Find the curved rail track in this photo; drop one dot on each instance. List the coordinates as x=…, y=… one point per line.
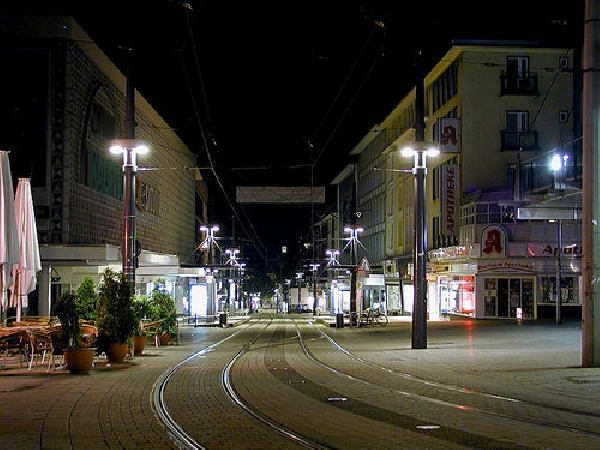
x=286, y=383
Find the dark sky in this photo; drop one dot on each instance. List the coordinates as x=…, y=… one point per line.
x=267, y=88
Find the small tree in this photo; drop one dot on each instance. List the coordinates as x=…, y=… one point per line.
x=163, y=308
x=116, y=317
x=142, y=310
x=88, y=298
x=68, y=310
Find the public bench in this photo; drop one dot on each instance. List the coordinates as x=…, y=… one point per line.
x=151, y=328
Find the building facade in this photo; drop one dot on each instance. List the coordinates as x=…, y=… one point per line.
x=64, y=101
x=499, y=112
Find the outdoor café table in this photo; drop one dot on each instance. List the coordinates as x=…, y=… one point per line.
x=13, y=339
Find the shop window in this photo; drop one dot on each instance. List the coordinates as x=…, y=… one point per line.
x=457, y=295
x=508, y=297
x=569, y=291
x=490, y=296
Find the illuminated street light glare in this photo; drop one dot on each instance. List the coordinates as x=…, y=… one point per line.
x=139, y=149
x=558, y=164
x=353, y=230
x=420, y=150
x=129, y=148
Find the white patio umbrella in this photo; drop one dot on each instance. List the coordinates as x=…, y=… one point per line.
x=9, y=240
x=25, y=273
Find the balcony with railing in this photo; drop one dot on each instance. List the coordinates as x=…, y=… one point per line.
x=518, y=140
x=518, y=84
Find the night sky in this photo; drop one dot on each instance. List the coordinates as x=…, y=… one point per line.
x=268, y=88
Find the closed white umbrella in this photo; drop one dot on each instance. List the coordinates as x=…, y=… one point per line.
x=9, y=240
x=25, y=273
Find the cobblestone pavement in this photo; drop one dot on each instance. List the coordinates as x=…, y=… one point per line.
x=113, y=407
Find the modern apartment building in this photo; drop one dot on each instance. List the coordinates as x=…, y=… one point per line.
x=63, y=101
x=500, y=112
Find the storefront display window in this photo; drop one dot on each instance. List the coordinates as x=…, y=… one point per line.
x=508, y=297
x=457, y=294
x=394, y=300
x=569, y=290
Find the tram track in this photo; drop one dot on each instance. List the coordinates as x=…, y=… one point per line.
x=274, y=371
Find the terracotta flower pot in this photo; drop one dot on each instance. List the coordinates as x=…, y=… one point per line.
x=165, y=338
x=139, y=344
x=117, y=351
x=79, y=360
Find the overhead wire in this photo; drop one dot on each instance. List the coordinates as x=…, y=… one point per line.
x=205, y=141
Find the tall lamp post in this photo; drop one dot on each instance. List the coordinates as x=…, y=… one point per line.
x=419, y=151
x=233, y=262
x=558, y=165
x=209, y=240
x=299, y=276
x=332, y=262
x=314, y=267
x=207, y=244
x=129, y=148
x=288, y=295
x=353, y=231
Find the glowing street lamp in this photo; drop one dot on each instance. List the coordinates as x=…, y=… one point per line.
x=209, y=240
x=129, y=148
x=558, y=164
x=314, y=267
x=332, y=255
x=231, y=253
x=353, y=231
x=332, y=262
x=420, y=151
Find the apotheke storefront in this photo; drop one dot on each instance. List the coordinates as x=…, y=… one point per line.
x=499, y=279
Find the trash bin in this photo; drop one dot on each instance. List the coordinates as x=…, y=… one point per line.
x=339, y=320
x=222, y=320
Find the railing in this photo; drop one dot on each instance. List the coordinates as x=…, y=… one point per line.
x=518, y=140
x=518, y=84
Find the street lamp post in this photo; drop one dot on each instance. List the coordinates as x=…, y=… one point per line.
x=209, y=240
x=233, y=262
x=314, y=267
x=559, y=165
x=419, y=151
x=207, y=244
x=332, y=254
x=299, y=278
x=129, y=148
x=288, y=295
x=353, y=231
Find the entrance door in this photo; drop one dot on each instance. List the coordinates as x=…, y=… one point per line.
x=503, y=297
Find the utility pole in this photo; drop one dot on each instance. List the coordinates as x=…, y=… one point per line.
x=590, y=323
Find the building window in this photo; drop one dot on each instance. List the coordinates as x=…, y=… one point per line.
x=517, y=123
x=563, y=116
x=563, y=62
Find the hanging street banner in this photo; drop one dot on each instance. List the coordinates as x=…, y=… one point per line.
x=279, y=194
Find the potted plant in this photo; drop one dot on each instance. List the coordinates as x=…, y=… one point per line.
x=115, y=315
x=141, y=310
x=163, y=308
x=78, y=354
